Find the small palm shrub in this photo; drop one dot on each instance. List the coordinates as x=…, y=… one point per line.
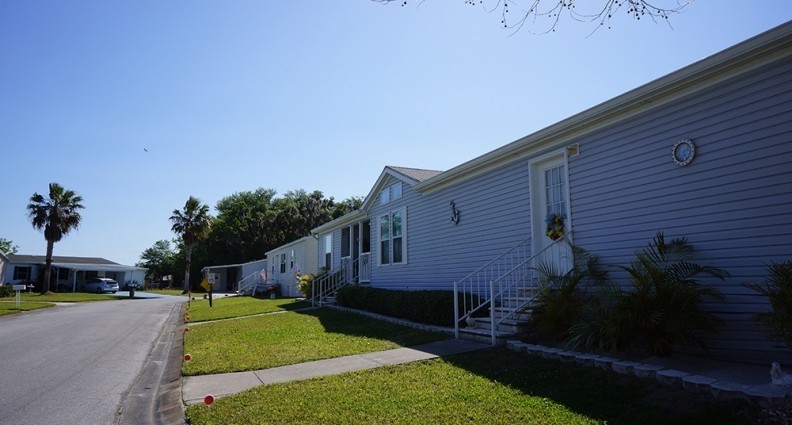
x=778, y=289
x=660, y=309
x=599, y=327
x=562, y=296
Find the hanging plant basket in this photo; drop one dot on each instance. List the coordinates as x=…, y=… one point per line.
x=555, y=226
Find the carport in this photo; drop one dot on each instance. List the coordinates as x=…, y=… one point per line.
x=120, y=273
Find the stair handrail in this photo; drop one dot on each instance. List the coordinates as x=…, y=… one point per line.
x=250, y=282
x=477, y=282
x=498, y=287
x=334, y=280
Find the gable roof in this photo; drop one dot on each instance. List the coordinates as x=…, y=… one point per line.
x=416, y=174
x=40, y=259
x=753, y=53
x=411, y=176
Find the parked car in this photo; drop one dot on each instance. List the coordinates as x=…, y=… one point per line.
x=100, y=285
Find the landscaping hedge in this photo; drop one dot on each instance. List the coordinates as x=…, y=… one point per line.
x=430, y=307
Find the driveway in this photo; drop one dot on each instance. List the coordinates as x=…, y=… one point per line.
x=76, y=364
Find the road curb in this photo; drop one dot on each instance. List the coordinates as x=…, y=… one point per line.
x=155, y=398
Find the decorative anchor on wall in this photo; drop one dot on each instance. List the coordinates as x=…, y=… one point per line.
x=454, y=213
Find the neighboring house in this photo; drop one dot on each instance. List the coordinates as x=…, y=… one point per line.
x=3, y=266
x=339, y=243
x=232, y=277
x=702, y=153
x=69, y=273
x=345, y=244
x=288, y=261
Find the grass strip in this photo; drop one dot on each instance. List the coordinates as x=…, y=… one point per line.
x=9, y=307
x=273, y=340
x=494, y=386
x=164, y=291
x=229, y=307
x=66, y=297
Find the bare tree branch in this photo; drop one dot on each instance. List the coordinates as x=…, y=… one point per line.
x=542, y=20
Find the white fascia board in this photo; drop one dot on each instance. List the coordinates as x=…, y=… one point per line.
x=97, y=267
x=753, y=53
x=223, y=266
x=289, y=245
x=342, y=221
x=380, y=183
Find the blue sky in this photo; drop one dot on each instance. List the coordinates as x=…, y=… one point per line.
x=232, y=96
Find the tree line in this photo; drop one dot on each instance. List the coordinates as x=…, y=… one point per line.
x=247, y=225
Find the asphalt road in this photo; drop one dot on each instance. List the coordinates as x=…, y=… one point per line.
x=76, y=364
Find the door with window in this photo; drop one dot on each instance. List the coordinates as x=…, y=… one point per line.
x=550, y=211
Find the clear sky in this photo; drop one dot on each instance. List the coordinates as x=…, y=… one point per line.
x=229, y=96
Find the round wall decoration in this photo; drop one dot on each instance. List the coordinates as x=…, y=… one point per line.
x=683, y=152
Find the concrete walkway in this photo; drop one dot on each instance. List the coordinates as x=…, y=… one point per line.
x=195, y=388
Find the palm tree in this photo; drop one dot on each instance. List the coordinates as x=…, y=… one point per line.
x=57, y=216
x=192, y=224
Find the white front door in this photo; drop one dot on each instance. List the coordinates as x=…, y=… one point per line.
x=550, y=209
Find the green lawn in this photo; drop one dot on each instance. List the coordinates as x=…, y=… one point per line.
x=66, y=297
x=164, y=291
x=228, y=307
x=272, y=340
x=8, y=306
x=494, y=386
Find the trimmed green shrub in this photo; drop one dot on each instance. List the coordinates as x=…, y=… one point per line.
x=430, y=307
x=778, y=289
x=6, y=291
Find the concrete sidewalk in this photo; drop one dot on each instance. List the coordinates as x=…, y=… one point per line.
x=195, y=388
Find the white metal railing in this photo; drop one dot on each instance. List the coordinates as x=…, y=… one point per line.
x=249, y=283
x=506, y=284
x=356, y=271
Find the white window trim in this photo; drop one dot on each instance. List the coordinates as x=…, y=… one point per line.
x=403, y=211
x=386, y=196
x=325, y=252
x=401, y=191
x=537, y=221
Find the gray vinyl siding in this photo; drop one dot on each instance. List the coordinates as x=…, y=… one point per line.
x=494, y=216
x=733, y=202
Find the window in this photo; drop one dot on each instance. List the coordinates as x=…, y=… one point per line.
x=63, y=274
x=328, y=252
x=283, y=263
x=393, y=248
x=385, y=239
x=391, y=193
x=345, y=245
x=291, y=260
x=396, y=191
x=22, y=273
x=91, y=275
x=366, y=239
x=555, y=191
